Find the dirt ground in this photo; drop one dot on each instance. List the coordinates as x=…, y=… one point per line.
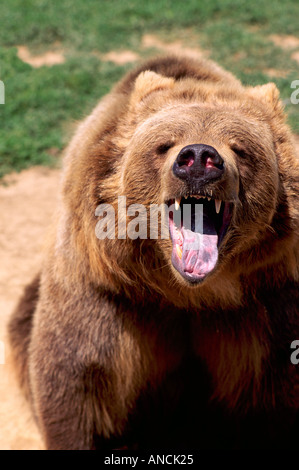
x=26, y=206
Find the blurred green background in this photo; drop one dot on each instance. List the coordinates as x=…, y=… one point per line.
x=257, y=40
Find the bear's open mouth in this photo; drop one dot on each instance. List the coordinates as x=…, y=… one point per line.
x=197, y=226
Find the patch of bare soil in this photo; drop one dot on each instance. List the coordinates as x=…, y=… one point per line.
x=295, y=56
x=151, y=41
x=285, y=41
x=49, y=58
x=275, y=73
x=177, y=47
x=120, y=57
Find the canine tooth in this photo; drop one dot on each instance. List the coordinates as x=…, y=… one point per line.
x=179, y=251
x=217, y=205
x=177, y=203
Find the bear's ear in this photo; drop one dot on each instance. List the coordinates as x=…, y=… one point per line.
x=147, y=82
x=268, y=93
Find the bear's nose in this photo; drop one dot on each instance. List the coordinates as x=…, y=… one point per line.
x=197, y=161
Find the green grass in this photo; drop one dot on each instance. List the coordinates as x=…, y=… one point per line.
x=43, y=104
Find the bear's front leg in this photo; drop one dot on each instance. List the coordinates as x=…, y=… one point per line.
x=86, y=370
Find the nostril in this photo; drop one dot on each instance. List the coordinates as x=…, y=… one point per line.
x=186, y=158
x=209, y=163
x=210, y=159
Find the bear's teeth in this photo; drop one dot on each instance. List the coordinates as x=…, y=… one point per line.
x=217, y=205
x=177, y=203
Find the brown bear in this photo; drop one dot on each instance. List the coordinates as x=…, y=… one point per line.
x=137, y=339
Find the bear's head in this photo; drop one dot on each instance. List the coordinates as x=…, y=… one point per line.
x=212, y=162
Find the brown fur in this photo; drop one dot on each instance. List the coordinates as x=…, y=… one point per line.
x=116, y=331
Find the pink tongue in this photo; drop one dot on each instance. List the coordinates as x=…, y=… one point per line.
x=200, y=252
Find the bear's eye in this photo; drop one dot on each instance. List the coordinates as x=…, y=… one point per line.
x=163, y=148
x=240, y=152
